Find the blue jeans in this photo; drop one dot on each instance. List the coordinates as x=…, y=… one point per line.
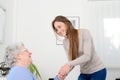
x=99, y=75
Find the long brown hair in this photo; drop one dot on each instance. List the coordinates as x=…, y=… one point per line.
x=72, y=35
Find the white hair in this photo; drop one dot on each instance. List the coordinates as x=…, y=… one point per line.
x=10, y=54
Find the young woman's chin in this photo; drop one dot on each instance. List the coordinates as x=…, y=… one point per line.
x=62, y=35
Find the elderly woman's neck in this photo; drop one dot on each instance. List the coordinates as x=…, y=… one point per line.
x=22, y=64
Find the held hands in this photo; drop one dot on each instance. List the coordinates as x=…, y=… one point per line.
x=64, y=70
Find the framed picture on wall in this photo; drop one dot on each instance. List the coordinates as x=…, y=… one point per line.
x=75, y=22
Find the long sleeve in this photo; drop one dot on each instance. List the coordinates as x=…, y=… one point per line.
x=86, y=52
x=87, y=56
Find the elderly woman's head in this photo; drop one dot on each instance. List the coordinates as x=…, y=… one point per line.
x=17, y=54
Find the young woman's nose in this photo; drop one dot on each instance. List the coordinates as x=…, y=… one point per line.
x=58, y=31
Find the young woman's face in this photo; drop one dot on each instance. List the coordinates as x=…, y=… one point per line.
x=60, y=28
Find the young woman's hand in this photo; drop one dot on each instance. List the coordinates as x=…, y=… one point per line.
x=64, y=70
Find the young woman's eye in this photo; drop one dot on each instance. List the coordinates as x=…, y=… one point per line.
x=59, y=26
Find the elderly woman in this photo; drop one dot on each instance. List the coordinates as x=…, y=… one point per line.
x=18, y=58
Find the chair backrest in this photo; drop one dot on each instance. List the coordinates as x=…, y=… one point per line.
x=3, y=69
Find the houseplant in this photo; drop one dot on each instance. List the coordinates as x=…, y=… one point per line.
x=35, y=71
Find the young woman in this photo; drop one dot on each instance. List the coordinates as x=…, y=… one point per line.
x=80, y=49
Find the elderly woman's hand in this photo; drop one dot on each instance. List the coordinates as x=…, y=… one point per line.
x=61, y=76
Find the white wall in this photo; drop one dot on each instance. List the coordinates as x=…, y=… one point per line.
x=30, y=21
x=8, y=35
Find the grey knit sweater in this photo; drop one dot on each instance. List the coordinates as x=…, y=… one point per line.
x=88, y=59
